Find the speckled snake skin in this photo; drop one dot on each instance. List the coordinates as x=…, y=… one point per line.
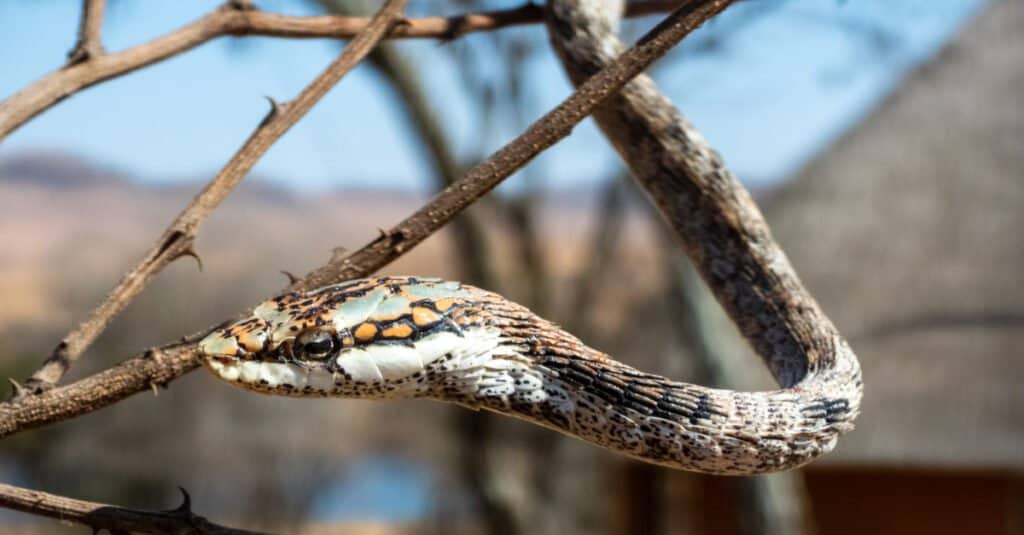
x=404, y=337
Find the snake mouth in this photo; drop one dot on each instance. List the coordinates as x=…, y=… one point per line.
x=272, y=376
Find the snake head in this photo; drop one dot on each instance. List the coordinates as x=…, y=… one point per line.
x=366, y=338
x=288, y=346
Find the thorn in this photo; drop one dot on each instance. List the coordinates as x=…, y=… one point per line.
x=156, y=390
x=275, y=106
x=275, y=110
x=400, y=234
x=191, y=251
x=19, y=390
x=455, y=30
x=185, y=509
x=84, y=52
x=292, y=279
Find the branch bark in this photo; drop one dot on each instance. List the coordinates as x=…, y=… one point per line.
x=240, y=19
x=100, y=516
x=178, y=239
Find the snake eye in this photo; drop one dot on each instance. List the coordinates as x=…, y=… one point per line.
x=315, y=344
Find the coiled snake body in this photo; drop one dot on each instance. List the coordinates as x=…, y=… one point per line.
x=408, y=337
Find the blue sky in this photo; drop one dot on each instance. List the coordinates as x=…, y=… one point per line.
x=775, y=92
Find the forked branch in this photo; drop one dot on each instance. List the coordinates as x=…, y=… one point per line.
x=89, y=44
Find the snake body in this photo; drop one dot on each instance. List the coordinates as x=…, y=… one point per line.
x=403, y=337
x=406, y=337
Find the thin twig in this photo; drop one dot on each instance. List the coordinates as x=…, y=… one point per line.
x=178, y=239
x=170, y=362
x=238, y=20
x=89, y=44
x=100, y=516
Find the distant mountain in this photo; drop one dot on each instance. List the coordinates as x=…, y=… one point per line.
x=67, y=171
x=57, y=169
x=62, y=170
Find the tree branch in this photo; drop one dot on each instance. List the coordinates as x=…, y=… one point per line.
x=100, y=516
x=545, y=132
x=161, y=366
x=178, y=239
x=89, y=44
x=239, y=19
x=165, y=364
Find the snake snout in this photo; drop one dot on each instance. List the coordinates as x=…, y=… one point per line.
x=237, y=340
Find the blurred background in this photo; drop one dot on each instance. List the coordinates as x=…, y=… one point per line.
x=883, y=139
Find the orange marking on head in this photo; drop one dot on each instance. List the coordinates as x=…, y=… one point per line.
x=365, y=332
x=424, y=316
x=398, y=331
x=250, y=342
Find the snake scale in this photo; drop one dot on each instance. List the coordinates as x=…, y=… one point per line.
x=407, y=337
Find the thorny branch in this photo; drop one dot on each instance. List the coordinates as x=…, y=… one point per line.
x=101, y=516
x=178, y=239
x=161, y=365
x=242, y=19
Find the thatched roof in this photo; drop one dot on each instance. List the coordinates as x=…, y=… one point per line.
x=910, y=232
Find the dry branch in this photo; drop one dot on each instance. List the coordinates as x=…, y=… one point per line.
x=100, y=516
x=162, y=366
x=178, y=239
x=239, y=19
